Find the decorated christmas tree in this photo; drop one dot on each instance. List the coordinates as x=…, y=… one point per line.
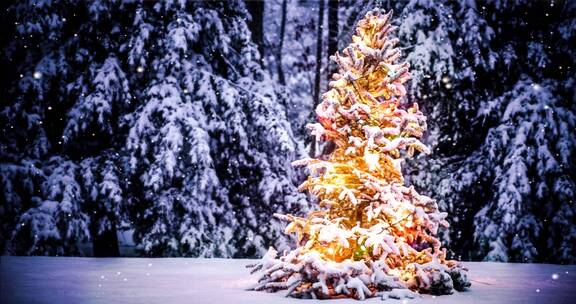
x=372, y=235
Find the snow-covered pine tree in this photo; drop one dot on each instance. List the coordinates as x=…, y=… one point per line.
x=162, y=121
x=49, y=127
x=530, y=138
x=448, y=47
x=373, y=233
x=535, y=133
x=20, y=182
x=492, y=177
x=466, y=80
x=439, y=63
x=56, y=223
x=210, y=146
x=106, y=187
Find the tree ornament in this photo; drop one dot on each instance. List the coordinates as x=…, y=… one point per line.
x=372, y=233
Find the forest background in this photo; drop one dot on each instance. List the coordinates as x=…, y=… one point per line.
x=168, y=128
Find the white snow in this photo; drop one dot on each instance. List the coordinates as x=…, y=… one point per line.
x=188, y=280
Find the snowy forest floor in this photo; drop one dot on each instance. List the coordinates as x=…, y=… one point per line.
x=187, y=280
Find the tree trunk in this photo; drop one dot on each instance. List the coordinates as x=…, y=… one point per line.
x=106, y=243
x=256, y=25
x=280, y=69
x=332, y=35
x=316, y=97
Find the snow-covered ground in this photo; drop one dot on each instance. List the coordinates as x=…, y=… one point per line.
x=185, y=280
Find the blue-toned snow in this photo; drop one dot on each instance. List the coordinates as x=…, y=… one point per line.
x=186, y=280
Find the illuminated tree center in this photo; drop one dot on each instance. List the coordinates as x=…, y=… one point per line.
x=371, y=233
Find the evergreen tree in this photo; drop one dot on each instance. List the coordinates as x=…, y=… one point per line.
x=535, y=133
x=56, y=223
x=155, y=117
x=61, y=109
x=488, y=64
x=373, y=233
x=213, y=125
x=466, y=57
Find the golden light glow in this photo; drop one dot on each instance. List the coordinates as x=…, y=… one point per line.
x=359, y=184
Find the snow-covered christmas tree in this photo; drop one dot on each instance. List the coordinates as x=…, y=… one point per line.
x=373, y=234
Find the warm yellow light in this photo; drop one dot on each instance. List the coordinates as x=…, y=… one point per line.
x=367, y=215
x=359, y=184
x=338, y=181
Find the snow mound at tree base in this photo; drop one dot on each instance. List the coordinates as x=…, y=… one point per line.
x=307, y=275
